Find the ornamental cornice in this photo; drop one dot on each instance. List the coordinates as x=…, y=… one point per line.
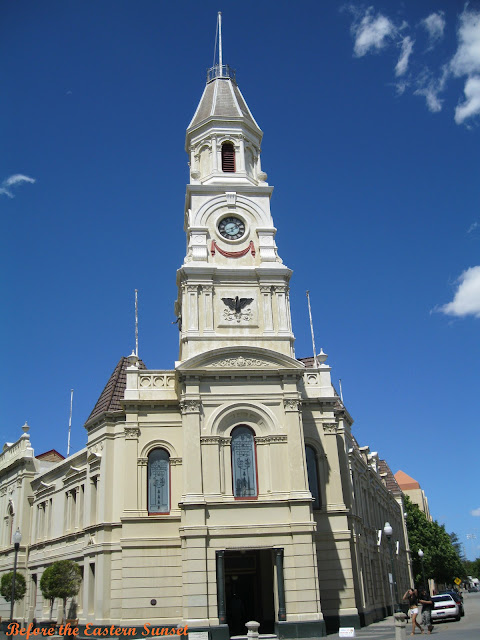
x=292, y=404
x=175, y=461
x=190, y=406
x=330, y=427
x=266, y=289
x=132, y=433
x=142, y=462
x=210, y=440
x=273, y=439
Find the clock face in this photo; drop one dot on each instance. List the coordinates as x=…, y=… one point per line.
x=231, y=228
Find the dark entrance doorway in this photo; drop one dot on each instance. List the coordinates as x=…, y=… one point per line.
x=249, y=590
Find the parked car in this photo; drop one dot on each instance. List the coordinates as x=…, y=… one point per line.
x=445, y=607
x=473, y=589
x=458, y=599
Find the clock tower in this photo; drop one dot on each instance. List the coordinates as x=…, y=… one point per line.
x=232, y=286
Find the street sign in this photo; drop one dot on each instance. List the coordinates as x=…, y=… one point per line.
x=457, y=581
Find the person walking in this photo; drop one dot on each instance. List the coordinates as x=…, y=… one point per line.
x=426, y=601
x=412, y=596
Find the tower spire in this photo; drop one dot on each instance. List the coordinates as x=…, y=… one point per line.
x=220, y=60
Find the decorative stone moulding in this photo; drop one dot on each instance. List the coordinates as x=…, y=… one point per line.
x=240, y=361
x=330, y=427
x=156, y=381
x=233, y=254
x=132, y=433
x=277, y=439
x=291, y=404
x=190, y=406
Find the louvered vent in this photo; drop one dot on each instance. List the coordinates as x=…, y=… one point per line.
x=228, y=157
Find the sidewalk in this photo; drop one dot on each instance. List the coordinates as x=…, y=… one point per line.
x=383, y=630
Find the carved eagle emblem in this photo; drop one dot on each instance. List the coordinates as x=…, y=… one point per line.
x=237, y=304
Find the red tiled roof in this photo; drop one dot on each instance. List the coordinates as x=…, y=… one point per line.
x=390, y=482
x=308, y=362
x=50, y=456
x=111, y=396
x=405, y=481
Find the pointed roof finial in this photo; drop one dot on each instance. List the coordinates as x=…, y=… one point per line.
x=219, y=70
x=136, y=322
x=220, y=60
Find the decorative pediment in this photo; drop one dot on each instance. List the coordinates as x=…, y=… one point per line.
x=241, y=359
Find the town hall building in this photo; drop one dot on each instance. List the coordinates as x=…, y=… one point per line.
x=229, y=487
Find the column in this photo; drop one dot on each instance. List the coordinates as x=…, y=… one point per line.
x=297, y=461
x=281, y=294
x=333, y=490
x=210, y=464
x=142, y=484
x=267, y=309
x=132, y=434
x=214, y=155
x=208, y=307
x=240, y=151
x=282, y=614
x=192, y=476
x=192, y=307
x=222, y=613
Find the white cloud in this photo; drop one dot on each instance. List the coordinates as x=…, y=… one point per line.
x=435, y=26
x=466, y=60
x=471, y=105
x=13, y=181
x=371, y=32
x=407, y=49
x=473, y=226
x=475, y=512
x=466, y=300
x=431, y=87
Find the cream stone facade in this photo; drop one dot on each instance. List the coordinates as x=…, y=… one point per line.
x=229, y=487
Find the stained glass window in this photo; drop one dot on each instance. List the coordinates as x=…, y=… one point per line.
x=244, y=463
x=158, y=481
x=313, y=476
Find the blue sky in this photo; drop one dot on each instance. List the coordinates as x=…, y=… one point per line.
x=371, y=117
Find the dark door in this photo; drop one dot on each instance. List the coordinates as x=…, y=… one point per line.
x=249, y=590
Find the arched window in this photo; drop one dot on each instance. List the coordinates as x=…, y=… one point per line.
x=158, y=481
x=228, y=157
x=244, y=463
x=312, y=471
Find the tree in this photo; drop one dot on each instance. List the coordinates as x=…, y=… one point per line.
x=6, y=586
x=63, y=579
x=45, y=588
x=441, y=560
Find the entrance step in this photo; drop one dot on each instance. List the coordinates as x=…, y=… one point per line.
x=261, y=636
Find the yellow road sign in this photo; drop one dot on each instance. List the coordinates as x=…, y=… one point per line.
x=457, y=581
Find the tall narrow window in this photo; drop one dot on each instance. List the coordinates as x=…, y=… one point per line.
x=228, y=157
x=158, y=481
x=244, y=463
x=312, y=472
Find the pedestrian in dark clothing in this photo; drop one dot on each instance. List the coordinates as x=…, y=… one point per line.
x=426, y=601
